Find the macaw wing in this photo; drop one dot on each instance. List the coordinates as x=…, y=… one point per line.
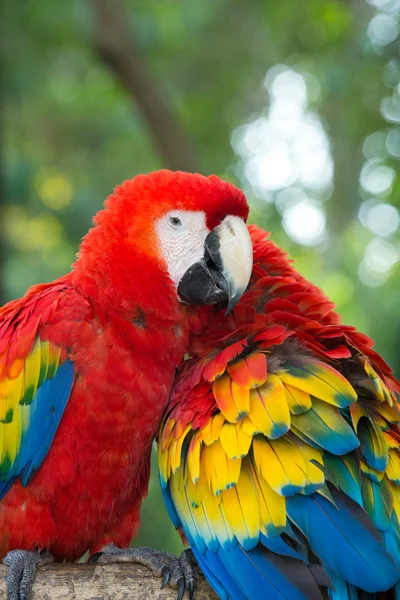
x=283, y=475
x=36, y=378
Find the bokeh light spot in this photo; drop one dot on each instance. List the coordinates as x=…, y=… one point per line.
x=383, y=29
x=380, y=255
x=288, y=145
x=391, y=76
x=383, y=219
x=385, y=5
x=55, y=191
x=305, y=222
x=27, y=233
x=390, y=109
x=375, y=145
x=376, y=178
x=393, y=142
x=289, y=84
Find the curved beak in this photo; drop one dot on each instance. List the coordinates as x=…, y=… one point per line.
x=223, y=273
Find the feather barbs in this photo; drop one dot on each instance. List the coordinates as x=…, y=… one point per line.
x=299, y=417
x=19, y=409
x=244, y=452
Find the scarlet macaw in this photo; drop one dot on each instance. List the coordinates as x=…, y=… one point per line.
x=279, y=453
x=87, y=363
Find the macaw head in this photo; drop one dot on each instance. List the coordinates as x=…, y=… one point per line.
x=183, y=229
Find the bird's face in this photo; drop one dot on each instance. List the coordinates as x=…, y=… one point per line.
x=172, y=231
x=205, y=265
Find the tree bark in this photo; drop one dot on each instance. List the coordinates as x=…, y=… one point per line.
x=117, y=48
x=102, y=582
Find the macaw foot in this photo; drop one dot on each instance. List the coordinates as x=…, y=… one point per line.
x=22, y=571
x=177, y=572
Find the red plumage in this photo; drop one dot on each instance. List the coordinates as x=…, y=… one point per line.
x=116, y=316
x=279, y=303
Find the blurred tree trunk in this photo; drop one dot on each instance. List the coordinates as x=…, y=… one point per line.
x=2, y=247
x=2, y=207
x=348, y=160
x=346, y=130
x=118, y=49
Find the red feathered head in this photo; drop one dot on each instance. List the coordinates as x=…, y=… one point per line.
x=190, y=227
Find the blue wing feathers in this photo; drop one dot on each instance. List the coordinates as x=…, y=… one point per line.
x=218, y=576
x=391, y=540
x=47, y=408
x=264, y=574
x=279, y=546
x=52, y=398
x=341, y=590
x=169, y=505
x=355, y=556
x=337, y=472
x=5, y=486
x=355, y=551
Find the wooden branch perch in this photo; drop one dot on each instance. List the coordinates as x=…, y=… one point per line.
x=117, y=48
x=102, y=582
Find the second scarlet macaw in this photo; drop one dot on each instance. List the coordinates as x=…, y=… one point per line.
x=87, y=363
x=279, y=455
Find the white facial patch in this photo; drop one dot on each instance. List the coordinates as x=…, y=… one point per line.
x=181, y=235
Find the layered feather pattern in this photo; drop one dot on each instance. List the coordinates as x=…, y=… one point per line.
x=279, y=455
x=36, y=378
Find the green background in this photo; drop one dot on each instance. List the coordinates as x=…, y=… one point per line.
x=296, y=102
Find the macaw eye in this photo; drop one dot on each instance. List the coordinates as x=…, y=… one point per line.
x=175, y=221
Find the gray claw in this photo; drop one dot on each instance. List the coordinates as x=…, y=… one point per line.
x=166, y=573
x=177, y=572
x=181, y=587
x=186, y=561
x=190, y=587
x=22, y=570
x=95, y=557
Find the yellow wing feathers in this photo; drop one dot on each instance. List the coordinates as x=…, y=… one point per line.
x=18, y=387
x=267, y=438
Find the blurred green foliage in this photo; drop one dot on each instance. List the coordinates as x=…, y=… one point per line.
x=72, y=132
